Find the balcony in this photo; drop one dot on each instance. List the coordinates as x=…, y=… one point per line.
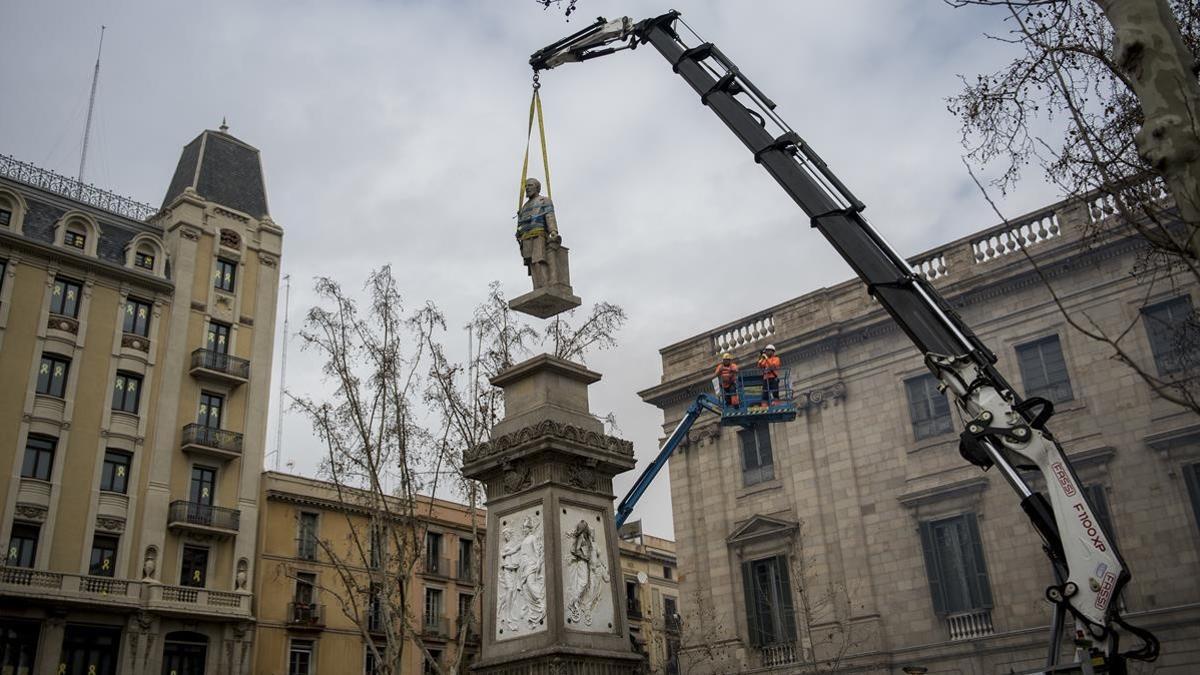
x=203, y=518
x=438, y=567
x=434, y=625
x=305, y=616
x=212, y=442
x=219, y=367
x=196, y=602
x=78, y=589
x=463, y=573
x=976, y=623
x=780, y=654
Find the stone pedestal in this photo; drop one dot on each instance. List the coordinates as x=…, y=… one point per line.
x=553, y=592
x=556, y=296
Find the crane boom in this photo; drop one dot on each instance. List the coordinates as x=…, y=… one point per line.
x=1003, y=430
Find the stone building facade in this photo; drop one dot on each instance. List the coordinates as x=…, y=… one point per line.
x=319, y=597
x=135, y=353
x=861, y=510
x=651, y=597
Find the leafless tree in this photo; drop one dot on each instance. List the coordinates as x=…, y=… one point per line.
x=597, y=331
x=386, y=457
x=1104, y=98
x=710, y=645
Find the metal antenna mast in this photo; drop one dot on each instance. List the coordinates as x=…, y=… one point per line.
x=287, y=305
x=87, y=127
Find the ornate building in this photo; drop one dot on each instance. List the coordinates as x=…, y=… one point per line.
x=135, y=352
x=857, y=534
x=323, y=580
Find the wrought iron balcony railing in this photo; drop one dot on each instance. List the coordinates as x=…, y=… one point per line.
x=192, y=513
x=306, y=614
x=211, y=437
x=225, y=364
x=437, y=566
x=463, y=572
x=435, y=625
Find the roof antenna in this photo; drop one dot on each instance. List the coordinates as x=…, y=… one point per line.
x=287, y=306
x=87, y=127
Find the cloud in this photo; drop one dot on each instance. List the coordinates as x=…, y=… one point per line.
x=392, y=132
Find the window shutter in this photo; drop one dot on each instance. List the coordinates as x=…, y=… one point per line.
x=751, y=606
x=932, y=571
x=785, y=592
x=1191, y=475
x=981, y=590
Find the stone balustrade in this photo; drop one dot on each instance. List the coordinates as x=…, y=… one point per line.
x=970, y=625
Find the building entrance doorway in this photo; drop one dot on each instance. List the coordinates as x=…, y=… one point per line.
x=184, y=653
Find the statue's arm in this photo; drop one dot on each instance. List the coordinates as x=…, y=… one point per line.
x=551, y=221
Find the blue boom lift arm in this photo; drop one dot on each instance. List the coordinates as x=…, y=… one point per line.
x=703, y=402
x=1003, y=430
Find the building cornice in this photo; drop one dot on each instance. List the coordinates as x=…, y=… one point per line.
x=102, y=267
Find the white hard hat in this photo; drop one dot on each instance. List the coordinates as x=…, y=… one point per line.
x=771, y=347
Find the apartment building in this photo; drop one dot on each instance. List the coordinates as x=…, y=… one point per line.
x=135, y=353
x=331, y=569
x=650, y=575
x=863, y=502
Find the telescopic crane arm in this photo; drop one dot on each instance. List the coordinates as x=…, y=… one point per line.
x=1002, y=429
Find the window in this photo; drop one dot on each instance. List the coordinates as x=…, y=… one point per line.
x=194, y=570
x=22, y=546
x=18, y=646
x=218, y=337
x=209, y=414
x=307, y=542
x=377, y=547
x=1044, y=371
x=137, y=317
x=90, y=649
x=52, y=375
x=144, y=260
x=126, y=391
x=1170, y=340
x=75, y=239
x=465, y=549
x=435, y=657
x=632, y=604
x=464, y=607
x=104, y=556
x=1191, y=476
x=768, y=590
x=39, y=457
x=374, y=609
x=64, y=298
x=203, y=485
x=305, y=583
x=958, y=580
x=224, y=276
x=300, y=657
x=670, y=613
x=433, y=552
x=433, y=607
x=369, y=667
x=668, y=573
x=114, y=475
x=5, y=215
x=757, y=463
x=928, y=407
x=3, y=269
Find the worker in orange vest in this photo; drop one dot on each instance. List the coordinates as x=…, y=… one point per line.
x=727, y=375
x=770, y=365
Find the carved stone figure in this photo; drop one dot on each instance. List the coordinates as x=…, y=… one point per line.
x=521, y=592
x=150, y=562
x=240, y=579
x=586, y=573
x=537, y=234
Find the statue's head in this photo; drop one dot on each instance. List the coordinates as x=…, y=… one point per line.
x=527, y=526
x=533, y=186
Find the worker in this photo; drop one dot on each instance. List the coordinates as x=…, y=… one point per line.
x=727, y=372
x=536, y=228
x=770, y=365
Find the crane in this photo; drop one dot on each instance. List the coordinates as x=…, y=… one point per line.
x=1003, y=430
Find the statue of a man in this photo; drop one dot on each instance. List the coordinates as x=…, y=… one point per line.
x=536, y=231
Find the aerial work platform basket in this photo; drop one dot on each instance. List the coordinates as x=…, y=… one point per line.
x=746, y=404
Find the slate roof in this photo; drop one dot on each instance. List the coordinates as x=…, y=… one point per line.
x=222, y=169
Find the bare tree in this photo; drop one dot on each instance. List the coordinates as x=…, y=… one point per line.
x=1104, y=97
x=710, y=645
x=383, y=463
x=597, y=331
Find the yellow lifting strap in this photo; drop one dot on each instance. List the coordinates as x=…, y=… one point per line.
x=534, y=104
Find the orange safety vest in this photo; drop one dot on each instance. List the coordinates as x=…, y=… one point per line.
x=727, y=374
x=770, y=366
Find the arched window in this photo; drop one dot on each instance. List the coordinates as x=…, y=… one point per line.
x=77, y=231
x=12, y=211
x=145, y=254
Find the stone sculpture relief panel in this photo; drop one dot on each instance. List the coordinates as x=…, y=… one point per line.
x=587, y=581
x=521, y=578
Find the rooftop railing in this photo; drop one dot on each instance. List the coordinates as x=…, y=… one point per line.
x=38, y=177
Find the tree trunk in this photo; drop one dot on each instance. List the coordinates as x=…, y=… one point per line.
x=1149, y=49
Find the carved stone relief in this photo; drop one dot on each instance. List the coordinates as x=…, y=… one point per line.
x=521, y=578
x=231, y=239
x=110, y=524
x=30, y=512
x=820, y=398
x=581, y=476
x=516, y=477
x=587, y=581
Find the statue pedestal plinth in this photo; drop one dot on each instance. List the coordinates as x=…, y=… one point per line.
x=554, y=595
x=546, y=302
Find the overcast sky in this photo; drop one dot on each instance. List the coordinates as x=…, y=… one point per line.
x=392, y=132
